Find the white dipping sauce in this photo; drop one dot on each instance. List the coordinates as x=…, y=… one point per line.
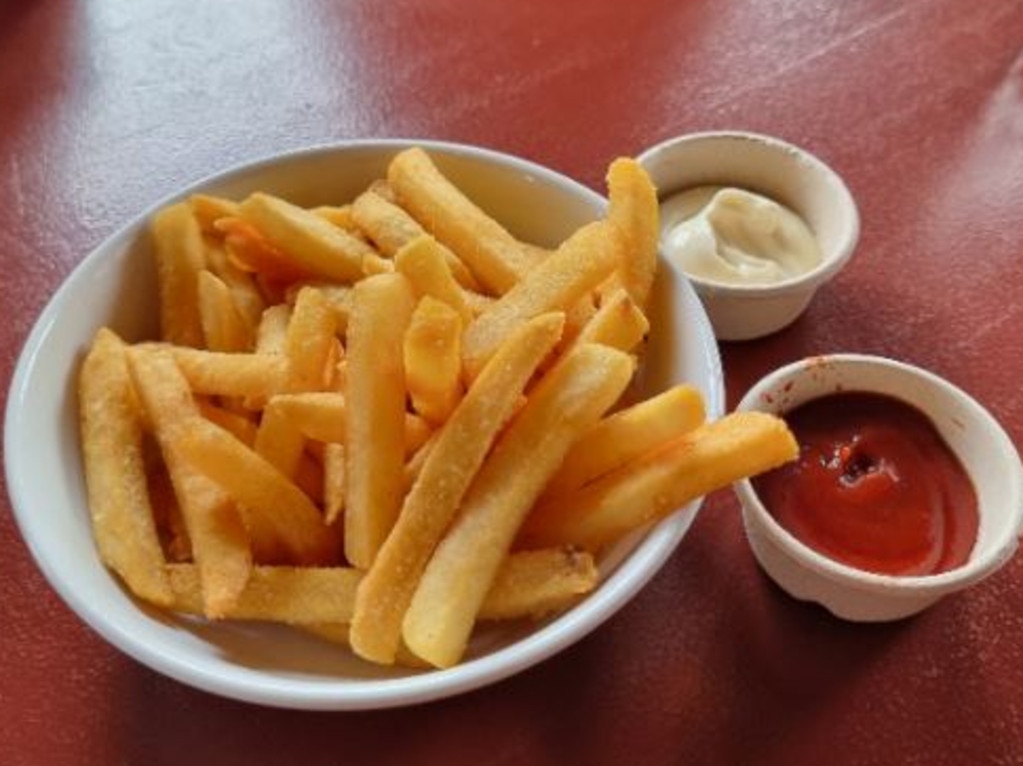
x=731, y=236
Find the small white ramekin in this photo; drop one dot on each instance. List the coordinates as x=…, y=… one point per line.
x=784, y=173
x=982, y=446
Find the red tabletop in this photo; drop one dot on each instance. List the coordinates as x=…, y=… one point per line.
x=106, y=106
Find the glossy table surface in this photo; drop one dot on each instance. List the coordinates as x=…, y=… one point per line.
x=107, y=106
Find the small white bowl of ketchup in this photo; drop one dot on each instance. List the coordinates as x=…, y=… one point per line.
x=905, y=490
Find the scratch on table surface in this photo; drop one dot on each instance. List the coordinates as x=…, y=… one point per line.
x=811, y=56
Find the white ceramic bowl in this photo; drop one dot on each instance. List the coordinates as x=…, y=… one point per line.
x=976, y=438
x=782, y=172
x=267, y=664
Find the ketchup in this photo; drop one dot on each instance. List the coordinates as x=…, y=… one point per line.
x=874, y=486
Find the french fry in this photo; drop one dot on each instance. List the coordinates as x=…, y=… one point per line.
x=288, y=594
x=310, y=340
x=633, y=208
x=536, y=583
x=180, y=256
x=374, y=264
x=414, y=464
x=319, y=248
x=115, y=473
x=241, y=427
x=223, y=326
x=493, y=255
x=374, y=413
x=278, y=440
x=170, y=522
x=322, y=599
x=450, y=466
x=626, y=435
x=245, y=292
x=707, y=458
x=391, y=229
x=207, y=209
x=267, y=498
x=618, y=323
x=220, y=542
x=422, y=263
x=215, y=373
x=433, y=359
x=251, y=251
x=577, y=267
x=338, y=296
x=340, y=216
x=448, y=598
x=320, y=415
x=333, y=481
x=272, y=334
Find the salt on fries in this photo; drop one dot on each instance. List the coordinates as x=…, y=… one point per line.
x=383, y=422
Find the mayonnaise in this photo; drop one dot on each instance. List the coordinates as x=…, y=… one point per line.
x=731, y=236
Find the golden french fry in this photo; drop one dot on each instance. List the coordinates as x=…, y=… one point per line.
x=450, y=466
x=241, y=427
x=493, y=255
x=340, y=216
x=278, y=440
x=433, y=359
x=414, y=464
x=649, y=488
x=267, y=498
x=333, y=481
x=224, y=328
x=374, y=413
x=568, y=400
x=338, y=296
x=180, y=256
x=618, y=323
x=310, y=340
x=216, y=373
x=314, y=245
x=374, y=264
x=272, y=335
x=422, y=263
x=626, y=435
x=578, y=315
x=320, y=415
x=535, y=583
x=633, y=208
x=115, y=472
x=170, y=522
x=322, y=599
x=251, y=251
x=207, y=209
x=577, y=267
x=288, y=594
x=219, y=539
x=244, y=291
x=391, y=228
x=477, y=302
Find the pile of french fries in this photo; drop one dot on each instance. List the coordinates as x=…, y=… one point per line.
x=386, y=421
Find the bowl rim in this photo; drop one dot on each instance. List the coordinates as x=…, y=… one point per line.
x=810, y=280
x=635, y=570
x=975, y=568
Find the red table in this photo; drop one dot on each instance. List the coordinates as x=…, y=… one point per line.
x=107, y=106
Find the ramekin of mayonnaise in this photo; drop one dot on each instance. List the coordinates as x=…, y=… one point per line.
x=756, y=223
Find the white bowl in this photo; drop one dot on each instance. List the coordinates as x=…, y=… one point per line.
x=784, y=173
x=272, y=665
x=984, y=449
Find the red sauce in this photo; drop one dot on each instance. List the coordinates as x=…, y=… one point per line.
x=874, y=486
